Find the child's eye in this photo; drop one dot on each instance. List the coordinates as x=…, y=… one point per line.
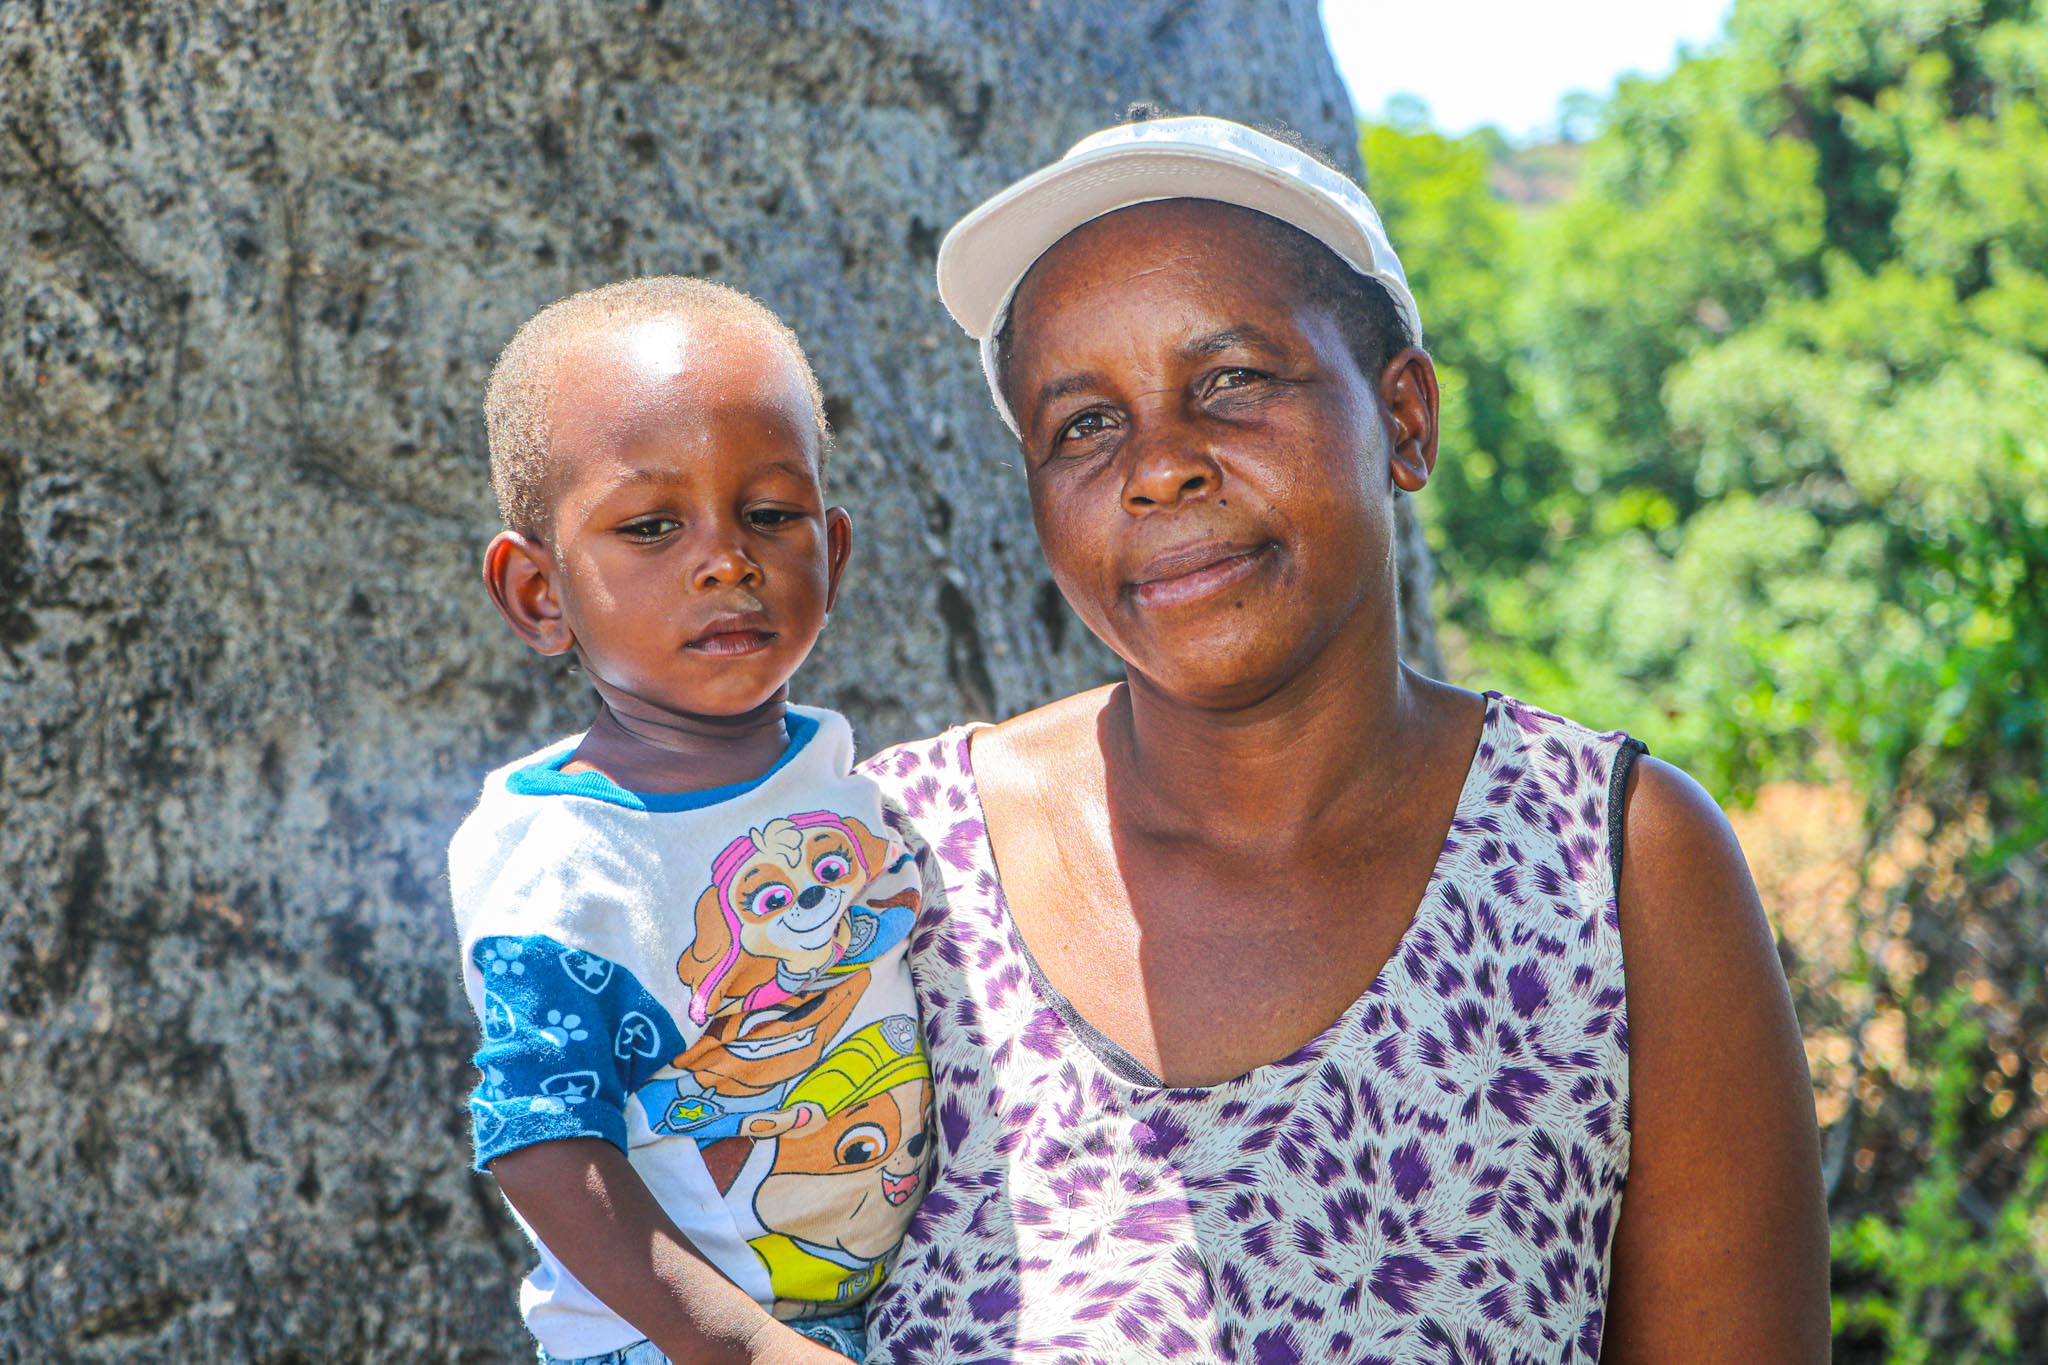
x=649, y=528
x=772, y=516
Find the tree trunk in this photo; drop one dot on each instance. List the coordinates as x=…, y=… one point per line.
x=259, y=259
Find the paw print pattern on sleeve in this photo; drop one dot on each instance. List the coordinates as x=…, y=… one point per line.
x=564, y=1029
x=500, y=957
x=567, y=1036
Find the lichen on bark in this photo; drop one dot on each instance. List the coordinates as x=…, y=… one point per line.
x=259, y=259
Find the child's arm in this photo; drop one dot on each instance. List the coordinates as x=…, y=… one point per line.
x=568, y=1037
x=601, y=1222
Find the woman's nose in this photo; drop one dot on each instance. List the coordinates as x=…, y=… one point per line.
x=1166, y=469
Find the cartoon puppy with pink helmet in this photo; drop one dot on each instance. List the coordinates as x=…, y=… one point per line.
x=782, y=918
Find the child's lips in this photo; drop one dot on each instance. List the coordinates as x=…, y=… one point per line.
x=734, y=635
x=732, y=643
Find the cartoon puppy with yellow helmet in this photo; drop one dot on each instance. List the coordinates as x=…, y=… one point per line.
x=851, y=1155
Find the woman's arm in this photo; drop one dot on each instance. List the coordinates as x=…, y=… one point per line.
x=1722, y=1249
x=601, y=1222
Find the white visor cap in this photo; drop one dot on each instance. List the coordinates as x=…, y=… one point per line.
x=988, y=253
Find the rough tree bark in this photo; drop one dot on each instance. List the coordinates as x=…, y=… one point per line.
x=258, y=259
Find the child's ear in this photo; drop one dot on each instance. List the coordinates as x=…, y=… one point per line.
x=838, y=546
x=519, y=573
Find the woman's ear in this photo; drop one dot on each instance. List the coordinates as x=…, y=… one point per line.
x=519, y=573
x=838, y=547
x=1408, y=393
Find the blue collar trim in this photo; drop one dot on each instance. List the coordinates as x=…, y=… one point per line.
x=546, y=778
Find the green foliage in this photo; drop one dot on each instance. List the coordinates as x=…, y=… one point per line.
x=1746, y=449
x=1704, y=418
x=1459, y=243
x=1980, y=704
x=1690, y=226
x=1944, y=1260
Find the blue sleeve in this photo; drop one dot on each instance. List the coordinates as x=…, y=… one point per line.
x=568, y=1036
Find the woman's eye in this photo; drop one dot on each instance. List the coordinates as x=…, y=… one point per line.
x=650, y=528
x=1082, y=427
x=1235, y=378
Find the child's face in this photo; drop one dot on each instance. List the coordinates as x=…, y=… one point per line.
x=693, y=558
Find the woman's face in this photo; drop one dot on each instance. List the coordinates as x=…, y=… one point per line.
x=1209, y=469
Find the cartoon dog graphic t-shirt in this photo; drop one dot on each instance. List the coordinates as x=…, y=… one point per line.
x=716, y=984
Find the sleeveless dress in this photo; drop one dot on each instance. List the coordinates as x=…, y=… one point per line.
x=1433, y=1178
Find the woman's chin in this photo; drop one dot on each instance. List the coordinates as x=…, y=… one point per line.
x=1230, y=660
x=1219, y=675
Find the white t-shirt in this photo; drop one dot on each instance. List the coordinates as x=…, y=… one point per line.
x=716, y=984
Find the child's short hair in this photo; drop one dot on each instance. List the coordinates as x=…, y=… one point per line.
x=516, y=400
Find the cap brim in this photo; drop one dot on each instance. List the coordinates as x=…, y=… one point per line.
x=988, y=253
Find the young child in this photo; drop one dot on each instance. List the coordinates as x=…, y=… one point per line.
x=683, y=931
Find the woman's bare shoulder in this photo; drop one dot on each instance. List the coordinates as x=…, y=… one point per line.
x=1041, y=748
x=1722, y=1252
x=1057, y=727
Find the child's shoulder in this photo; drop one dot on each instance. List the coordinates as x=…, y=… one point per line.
x=529, y=840
x=550, y=755
x=498, y=802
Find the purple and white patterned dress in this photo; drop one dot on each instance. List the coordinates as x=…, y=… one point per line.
x=1433, y=1178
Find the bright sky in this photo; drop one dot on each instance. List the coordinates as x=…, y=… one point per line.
x=1506, y=62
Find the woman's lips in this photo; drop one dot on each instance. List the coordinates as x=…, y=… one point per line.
x=1189, y=574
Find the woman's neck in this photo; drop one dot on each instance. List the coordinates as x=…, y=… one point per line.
x=656, y=750
x=1324, y=751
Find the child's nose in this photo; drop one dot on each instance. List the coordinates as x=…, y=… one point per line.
x=726, y=565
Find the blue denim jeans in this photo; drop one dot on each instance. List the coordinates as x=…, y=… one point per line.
x=846, y=1334
x=639, y=1353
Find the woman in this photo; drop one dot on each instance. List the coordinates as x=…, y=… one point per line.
x=1276, y=995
